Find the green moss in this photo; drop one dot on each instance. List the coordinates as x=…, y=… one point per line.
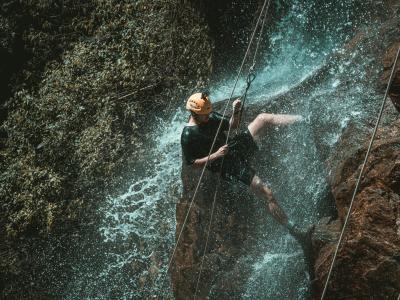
x=78, y=121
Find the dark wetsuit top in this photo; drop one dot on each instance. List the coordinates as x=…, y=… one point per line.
x=197, y=140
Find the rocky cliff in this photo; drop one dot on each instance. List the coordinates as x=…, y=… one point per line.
x=84, y=82
x=230, y=241
x=367, y=265
x=388, y=60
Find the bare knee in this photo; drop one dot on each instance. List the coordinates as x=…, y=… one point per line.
x=266, y=118
x=257, y=127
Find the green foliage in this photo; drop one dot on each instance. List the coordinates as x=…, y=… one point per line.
x=77, y=121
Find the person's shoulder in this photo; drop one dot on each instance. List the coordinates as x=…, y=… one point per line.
x=189, y=128
x=186, y=133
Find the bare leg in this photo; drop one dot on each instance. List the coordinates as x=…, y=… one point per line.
x=302, y=237
x=262, y=191
x=258, y=125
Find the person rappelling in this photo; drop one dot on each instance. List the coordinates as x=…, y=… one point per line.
x=232, y=159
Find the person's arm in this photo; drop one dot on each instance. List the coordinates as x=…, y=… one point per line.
x=200, y=162
x=235, y=119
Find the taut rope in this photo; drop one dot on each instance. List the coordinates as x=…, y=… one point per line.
x=249, y=80
x=360, y=175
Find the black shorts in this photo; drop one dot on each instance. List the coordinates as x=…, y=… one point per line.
x=236, y=165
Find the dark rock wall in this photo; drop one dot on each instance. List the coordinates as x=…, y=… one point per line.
x=367, y=265
x=394, y=91
x=230, y=24
x=235, y=219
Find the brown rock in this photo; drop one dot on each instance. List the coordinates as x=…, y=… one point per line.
x=368, y=264
x=388, y=60
x=230, y=237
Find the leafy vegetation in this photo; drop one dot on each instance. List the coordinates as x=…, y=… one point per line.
x=92, y=73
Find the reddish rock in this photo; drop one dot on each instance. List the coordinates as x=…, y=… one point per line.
x=368, y=261
x=388, y=60
x=325, y=232
x=230, y=238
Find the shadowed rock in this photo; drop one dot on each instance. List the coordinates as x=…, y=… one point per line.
x=366, y=266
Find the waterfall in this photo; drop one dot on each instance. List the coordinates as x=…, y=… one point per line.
x=138, y=227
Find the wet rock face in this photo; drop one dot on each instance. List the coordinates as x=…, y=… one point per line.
x=235, y=212
x=394, y=91
x=367, y=265
x=230, y=23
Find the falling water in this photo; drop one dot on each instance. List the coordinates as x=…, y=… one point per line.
x=138, y=227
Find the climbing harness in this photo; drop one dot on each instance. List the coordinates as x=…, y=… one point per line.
x=360, y=175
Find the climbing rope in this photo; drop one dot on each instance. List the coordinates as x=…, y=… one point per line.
x=208, y=235
x=250, y=78
x=137, y=91
x=215, y=138
x=360, y=175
